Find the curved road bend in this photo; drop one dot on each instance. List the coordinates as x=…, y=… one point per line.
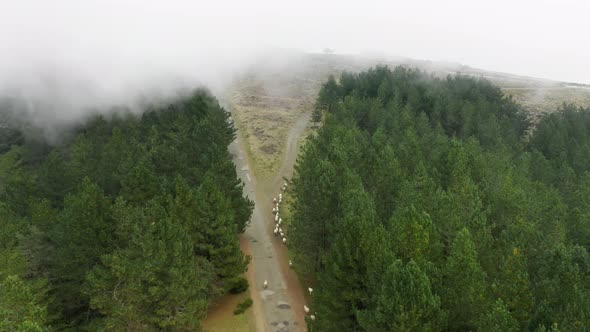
x=279, y=307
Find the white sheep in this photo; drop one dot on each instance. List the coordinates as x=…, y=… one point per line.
x=306, y=309
x=276, y=217
x=265, y=284
x=312, y=317
x=276, y=231
x=284, y=240
x=280, y=220
x=285, y=184
x=274, y=210
x=310, y=290
x=274, y=200
x=280, y=230
x=290, y=263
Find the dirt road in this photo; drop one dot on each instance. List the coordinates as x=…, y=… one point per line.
x=279, y=307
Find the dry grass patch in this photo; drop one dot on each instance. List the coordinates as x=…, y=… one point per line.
x=264, y=115
x=542, y=100
x=264, y=133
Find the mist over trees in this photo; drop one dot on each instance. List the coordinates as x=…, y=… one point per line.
x=131, y=224
x=421, y=205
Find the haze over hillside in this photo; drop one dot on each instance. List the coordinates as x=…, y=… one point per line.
x=54, y=100
x=66, y=58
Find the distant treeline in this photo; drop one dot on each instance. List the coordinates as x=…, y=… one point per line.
x=131, y=224
x=420, y=205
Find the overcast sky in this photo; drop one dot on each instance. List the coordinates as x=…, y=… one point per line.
x=111, y=48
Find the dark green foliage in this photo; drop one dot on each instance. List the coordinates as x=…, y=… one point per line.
x=154, y=283
x=405, y=301
x=473, y=226
x=328, y=96
x=316, y=115
x=243, y=306
x=133, y=221
x=578, y=220
x=240, y=285
x=83, y=232
x=207, y=216
x=563, y=137
x=562, y=284
x=315, y=220
x=354, y=251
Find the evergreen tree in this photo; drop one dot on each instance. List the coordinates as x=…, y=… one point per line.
x=562, y=298
x=514, y=288
x=329, y=95
x=497, y=319
x=412, y=235
x=316, y=115
x=314, y=218
x=342, y=289
x=383, y=174
x=402, y=300
x=83, y=233
x=140, y=184
x=578, y=222
x=154, y=283
x=207, y=217
x=464, y=293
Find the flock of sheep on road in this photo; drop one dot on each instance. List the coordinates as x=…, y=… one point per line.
x=279, y=231
x=275, y=211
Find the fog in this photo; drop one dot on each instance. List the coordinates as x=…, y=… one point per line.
x=66, y=57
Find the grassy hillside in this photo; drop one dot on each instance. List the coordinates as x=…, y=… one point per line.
x=276, y=91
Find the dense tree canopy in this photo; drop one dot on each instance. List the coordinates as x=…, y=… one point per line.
x=424, y=204
x=131, y=223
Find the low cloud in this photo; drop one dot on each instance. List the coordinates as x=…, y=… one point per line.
x=64, y=59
